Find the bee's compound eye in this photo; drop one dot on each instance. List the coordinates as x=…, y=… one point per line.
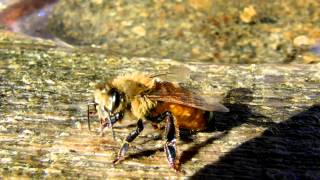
x=115, y=99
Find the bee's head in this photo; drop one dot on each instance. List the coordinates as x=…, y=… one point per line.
x=109, y=99
x=109, y=103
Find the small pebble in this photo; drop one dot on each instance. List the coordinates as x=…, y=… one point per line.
x=302, y=41
x=139, y=30
x=3, y=129
x=248, y=14
x=64, y=134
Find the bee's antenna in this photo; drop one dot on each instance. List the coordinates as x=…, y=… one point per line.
x=113, y=135
x=161, y=74
x=88, y=113
x=88, y=120
x=110, y=123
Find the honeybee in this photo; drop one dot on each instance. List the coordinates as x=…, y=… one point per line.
x=149, y=99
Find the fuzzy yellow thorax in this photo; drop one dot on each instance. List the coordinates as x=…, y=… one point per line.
x=133, y=85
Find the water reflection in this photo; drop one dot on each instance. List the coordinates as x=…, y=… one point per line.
x=316, y=49
x=29, y=17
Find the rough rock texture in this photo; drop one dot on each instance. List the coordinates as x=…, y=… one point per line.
x=271, y=131
x=208, y=30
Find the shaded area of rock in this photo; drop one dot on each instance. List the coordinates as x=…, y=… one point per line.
x=289, y=150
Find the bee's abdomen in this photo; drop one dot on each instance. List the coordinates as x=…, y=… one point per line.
x=186, y=117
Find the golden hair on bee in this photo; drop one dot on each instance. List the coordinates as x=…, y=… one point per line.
x=134, y=83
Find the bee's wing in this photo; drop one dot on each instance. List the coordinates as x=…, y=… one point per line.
x=169, y=92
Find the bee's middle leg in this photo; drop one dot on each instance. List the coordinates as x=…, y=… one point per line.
x=170, y=145
x=125, y=146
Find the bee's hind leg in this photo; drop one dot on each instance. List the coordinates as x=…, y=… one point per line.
x=125, y=146
x=171, y=132
x=170, y=145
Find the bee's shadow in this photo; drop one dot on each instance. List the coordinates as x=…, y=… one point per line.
x=239, y=113
x=237, y=101
x=147, y=152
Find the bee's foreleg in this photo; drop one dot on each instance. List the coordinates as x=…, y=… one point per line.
x=113, y=119
x=125, y=146
x=170, y=145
